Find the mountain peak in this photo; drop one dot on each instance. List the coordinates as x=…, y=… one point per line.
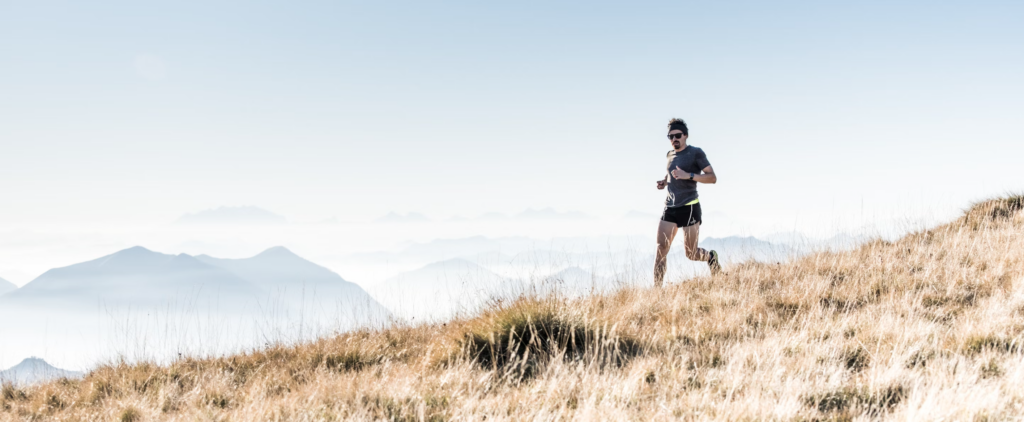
x=134, y=250
x=32, y=360
x=138, y=258
x=134, y=256
x=32, y=370
x=277, y=252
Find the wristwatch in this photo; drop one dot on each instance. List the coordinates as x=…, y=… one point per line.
x=691, y=176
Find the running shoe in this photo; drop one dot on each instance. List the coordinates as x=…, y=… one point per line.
x=713, y=263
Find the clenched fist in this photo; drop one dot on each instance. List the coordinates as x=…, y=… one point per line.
x=678, y=173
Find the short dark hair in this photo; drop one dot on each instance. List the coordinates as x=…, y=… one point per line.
x=679, y=124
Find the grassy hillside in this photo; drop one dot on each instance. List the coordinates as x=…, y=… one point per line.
x=927, y=327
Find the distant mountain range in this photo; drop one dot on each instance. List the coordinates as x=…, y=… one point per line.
x=140, y=298
x=134, y=276
x=520, y=257
x=33, y=370
x=439, y=290
x=296, y=282
x=734, y=249
x=557, y=252
x=137, y=277
x=416, y=255
x=137, y=302
x=232, y=216
x=482, y=248
x=447, y=288
x=6, y=286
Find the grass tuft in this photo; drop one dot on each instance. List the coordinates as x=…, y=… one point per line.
x=983, y=214
x=11, y=393
x=856, y=359
x=991, y=369
x=347, y=361
x=530, y=332
x=130, y=414
x=979, y=343
x=843, y=401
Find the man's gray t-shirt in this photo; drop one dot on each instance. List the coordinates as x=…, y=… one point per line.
x=691, y=160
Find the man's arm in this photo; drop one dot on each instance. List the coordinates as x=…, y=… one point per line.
x=708, y=175
x=663, y=182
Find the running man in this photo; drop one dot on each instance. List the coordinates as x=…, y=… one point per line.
x=687, y=166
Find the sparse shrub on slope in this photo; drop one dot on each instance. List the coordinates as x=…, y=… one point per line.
x=521, y=337
x=10, y=396
x=130, y=414
x=845, y=402
x=994, y=211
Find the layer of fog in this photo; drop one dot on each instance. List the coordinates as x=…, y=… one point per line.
x=421, y=270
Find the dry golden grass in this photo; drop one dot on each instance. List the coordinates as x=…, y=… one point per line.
x=925, y=328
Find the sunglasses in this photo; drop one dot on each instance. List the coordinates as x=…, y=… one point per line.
x=676, y=136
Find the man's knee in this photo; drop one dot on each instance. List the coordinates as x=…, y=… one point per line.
x=693, y=254
x=661, y=253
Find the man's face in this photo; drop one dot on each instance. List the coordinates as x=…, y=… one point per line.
x=677, y=138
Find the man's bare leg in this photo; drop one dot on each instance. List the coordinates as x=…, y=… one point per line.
x=666, y=233
x=691, y=237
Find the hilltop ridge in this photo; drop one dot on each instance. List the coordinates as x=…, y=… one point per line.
x=922, y=328
x=32, y=370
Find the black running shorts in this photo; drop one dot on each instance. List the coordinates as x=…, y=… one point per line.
x=684, y=216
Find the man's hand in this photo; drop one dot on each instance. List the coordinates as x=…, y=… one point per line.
x=678, y=173
x=661, y=184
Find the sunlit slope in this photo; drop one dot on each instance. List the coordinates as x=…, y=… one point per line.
x=927, y=327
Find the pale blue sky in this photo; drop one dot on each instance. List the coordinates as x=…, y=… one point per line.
x=142, y=111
